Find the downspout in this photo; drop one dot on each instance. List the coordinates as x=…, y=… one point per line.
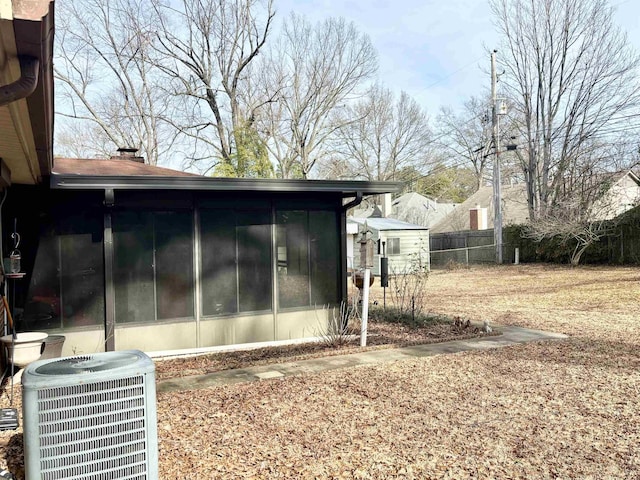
x=353, y=203
x=21, y=88
x=25, y=85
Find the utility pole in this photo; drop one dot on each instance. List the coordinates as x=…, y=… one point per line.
x=497, y=193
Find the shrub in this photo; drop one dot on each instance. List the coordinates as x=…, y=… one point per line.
x=394, y=315
x=338, y=331
x=407, y=284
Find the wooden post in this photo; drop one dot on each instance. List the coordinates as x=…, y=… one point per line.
x=365, y=307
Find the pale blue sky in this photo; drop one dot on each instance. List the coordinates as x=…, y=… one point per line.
x=434, y=50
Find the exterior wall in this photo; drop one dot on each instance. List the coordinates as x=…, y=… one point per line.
x=413, y=244
x=414, y=247
x=81, y=301
x=301, y=324
x=254, y=328
x=350, y=252
x=352, y=232
x=231, y=330
x=82, y=342
x=213, y=332
x=621, y=197
x=149, y=338
x=218, y=331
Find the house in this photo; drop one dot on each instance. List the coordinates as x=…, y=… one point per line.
x=466, y=235
x=623, y=193
x=116, y=254
x=514, y=209
x=26, y=91
x=410, y=208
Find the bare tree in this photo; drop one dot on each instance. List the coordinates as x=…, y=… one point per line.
x=335, y=167
x=384, y=135
x=467, y=135
x=204, y=48
x=447, y=183
x=314, y=69
x=624, y=149
x=82, y=139
x=574, y=79
x=589, y=209
x=105, y=79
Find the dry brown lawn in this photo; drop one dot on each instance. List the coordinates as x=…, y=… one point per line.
x=381, y=335
x=560, y=409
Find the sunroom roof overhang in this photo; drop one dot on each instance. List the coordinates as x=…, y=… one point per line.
x=345, y=188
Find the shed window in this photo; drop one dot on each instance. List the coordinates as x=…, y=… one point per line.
x=393, y=246
x=324, y=257
x=254, y=260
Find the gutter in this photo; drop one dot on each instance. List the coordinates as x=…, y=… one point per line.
x=345, y=189
x=25, y=85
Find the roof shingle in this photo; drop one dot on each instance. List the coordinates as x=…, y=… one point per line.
x=109, y=167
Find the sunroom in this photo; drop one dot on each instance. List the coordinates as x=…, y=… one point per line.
x=120, y=255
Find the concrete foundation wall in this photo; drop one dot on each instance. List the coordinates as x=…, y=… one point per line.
x=82, y=342
x=309, y=323
x=153, y=337
x=213, y=332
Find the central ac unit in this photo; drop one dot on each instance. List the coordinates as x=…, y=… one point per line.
x=90, y=417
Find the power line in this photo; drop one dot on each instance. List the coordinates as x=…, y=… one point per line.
x=449, y=75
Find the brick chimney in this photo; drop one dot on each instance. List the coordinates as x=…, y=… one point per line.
x=127, y=153
x=386, y=205
x=478, y=218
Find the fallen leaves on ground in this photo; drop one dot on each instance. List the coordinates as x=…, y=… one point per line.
x=557, y=409
x=380, y=335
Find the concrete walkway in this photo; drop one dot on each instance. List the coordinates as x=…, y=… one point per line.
x=510, y=336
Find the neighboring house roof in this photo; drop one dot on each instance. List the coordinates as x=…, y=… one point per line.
x=420, y=210
x=623, y=194
x=411, y=208
x=514, y=209
x=365, y=212
x=617, y=177
x=385, y=224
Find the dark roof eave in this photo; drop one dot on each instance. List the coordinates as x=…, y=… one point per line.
x=344, y=187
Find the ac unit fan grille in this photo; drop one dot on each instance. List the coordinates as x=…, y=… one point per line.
x=94, y=431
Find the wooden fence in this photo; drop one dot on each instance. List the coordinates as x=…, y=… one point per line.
x=621, y=246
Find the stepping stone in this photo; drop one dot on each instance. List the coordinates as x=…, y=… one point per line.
x=268, y=375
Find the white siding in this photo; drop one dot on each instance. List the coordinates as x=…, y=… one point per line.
x=350, y=242
x=622, y=196
x=413, y=244
x=414, y=247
